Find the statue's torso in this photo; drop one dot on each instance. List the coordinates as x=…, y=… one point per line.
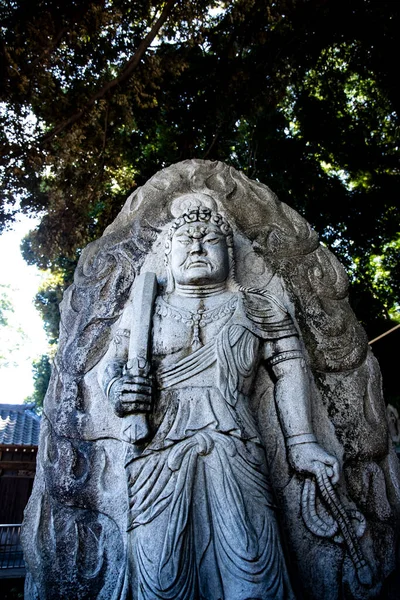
x=188, y=351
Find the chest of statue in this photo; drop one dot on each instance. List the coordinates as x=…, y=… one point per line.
x=179, y=331
x=200, y=348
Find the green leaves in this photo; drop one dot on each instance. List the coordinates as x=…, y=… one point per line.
x=12, y=336
x=301, y=95
x=41, y=376
x=6, y=305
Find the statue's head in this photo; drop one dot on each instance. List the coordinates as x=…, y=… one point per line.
x=199, y=245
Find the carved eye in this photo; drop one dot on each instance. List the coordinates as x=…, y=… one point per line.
x=184, y=241
x=212, y=240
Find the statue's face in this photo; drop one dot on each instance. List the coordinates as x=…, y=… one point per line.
x=199, y=254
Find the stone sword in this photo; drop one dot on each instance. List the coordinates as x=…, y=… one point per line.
x=144, y=290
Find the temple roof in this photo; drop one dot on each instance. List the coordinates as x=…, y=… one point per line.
x=19, y=426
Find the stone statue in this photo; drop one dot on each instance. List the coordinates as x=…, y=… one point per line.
x=214, y=427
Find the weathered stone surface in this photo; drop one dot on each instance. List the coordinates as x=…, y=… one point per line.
x=217, y=430
x=394, y=423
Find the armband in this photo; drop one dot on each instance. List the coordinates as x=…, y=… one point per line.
x=113, y=380
x=120, y=334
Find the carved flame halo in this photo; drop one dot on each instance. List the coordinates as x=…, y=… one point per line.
x=192, y=208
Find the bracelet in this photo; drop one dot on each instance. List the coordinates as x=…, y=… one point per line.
x=286, y=355
x=301, y=438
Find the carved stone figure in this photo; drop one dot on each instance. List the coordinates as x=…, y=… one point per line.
x=214, y=427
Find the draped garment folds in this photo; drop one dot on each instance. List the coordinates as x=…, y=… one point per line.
x=202, y=520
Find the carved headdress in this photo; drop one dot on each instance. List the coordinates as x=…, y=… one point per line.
x=197, y=208
x=191, y=208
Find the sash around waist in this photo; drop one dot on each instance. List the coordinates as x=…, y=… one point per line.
x=187, y=367
x=201, y=408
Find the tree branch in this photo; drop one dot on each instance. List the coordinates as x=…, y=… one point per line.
x=125, y=74
x=211, y=146
x=47, y=51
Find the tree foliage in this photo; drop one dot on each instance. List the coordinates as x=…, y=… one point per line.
x=41, y=376
x=6, y=305
x=47, y=302
x=12, y=337
x=97, y=95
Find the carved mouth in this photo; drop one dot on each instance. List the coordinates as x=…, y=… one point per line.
x=198, y=263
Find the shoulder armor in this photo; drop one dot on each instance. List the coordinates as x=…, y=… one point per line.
x=269, y=316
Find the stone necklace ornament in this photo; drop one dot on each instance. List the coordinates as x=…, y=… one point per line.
x=196, y=320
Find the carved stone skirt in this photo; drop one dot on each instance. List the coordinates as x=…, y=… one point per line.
x=202, y=524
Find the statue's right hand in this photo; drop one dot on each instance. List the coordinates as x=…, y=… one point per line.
x=131, y=394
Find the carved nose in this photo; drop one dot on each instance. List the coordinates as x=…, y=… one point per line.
x=197, y=248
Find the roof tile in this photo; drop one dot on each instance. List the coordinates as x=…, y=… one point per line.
x=19, y=426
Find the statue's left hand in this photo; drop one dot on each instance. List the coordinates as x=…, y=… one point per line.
x=312, y=459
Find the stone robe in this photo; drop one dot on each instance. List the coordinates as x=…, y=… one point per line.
x=202, y=516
